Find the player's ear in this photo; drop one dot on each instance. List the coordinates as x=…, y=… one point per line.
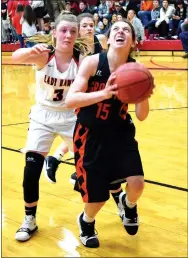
x=133, y=44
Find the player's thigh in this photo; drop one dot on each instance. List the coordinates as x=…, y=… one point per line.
x=40, y=137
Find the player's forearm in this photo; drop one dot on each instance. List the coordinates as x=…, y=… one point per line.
x=142, y=110
x=21, y=54
x=82, y=99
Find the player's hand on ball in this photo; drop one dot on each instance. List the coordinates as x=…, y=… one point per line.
x=39, y=49
x=111, y=88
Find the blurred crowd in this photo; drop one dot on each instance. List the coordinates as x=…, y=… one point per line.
x=157, y=19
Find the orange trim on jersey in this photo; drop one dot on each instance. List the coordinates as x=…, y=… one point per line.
x=79, y=165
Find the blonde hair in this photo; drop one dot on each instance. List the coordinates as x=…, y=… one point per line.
x=50, y=40
x=65, y=16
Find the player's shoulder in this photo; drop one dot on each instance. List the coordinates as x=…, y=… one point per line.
x=89, y=65
x=92, y=60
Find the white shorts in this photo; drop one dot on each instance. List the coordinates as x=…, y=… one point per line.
x=45, y=125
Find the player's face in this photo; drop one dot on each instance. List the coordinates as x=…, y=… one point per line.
x=66, y=33
x=121, y=35
x=86, y=27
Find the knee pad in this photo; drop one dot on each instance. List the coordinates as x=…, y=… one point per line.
x=32, y=172
x=114, y=186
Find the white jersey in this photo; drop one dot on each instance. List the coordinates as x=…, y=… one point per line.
x=52, y=86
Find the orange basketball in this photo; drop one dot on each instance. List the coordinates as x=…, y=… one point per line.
x=135, y=82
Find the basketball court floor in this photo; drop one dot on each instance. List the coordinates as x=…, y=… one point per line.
x=163, y=146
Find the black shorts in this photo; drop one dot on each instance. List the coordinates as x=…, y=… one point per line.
x=103, y=157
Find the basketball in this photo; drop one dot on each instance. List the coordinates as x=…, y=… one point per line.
x=135, y=83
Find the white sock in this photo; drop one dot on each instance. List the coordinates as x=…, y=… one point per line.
x=129, y=204
x=87, y=219
x=58, y=154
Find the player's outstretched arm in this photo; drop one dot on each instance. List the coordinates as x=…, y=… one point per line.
x=37, y=55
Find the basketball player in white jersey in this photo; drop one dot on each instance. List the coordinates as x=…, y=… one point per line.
x=86, y=33
x=49, y=117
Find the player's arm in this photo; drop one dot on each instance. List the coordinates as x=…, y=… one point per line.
x=77, y=95
x=142, y=110
x=37, y=55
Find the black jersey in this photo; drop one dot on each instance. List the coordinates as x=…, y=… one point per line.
x=97, y=46
x=111, y=111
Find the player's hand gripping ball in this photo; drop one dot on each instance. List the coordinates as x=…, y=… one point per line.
x=135, y=83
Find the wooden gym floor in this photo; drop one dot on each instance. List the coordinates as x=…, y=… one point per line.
x=163, y=146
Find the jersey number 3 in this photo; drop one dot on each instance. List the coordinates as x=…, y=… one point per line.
x=58, y=95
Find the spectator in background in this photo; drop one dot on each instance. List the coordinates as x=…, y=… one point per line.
x=47, y=28
x=119, y=17
x=5, y=34
x=38, y=8
x=107, y=25
x=68, y=6
x=83, y=7
x=114, y=18
x=100, y=28
x=145, y=11
x=28, y=24
x=103, y=10
x=17, y=24
x=54, y=7
x=130, y=5
x=96, y=19
x=162, y=24
x=155, y=14
x=184, y=37
x=75, y=8
x=138, y=27
x=186, y=6
x=12, y=5
x=119, y=10
x=177, y=19
x=110, y=6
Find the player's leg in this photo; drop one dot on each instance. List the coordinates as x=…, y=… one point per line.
x=94, y=189
x=134, y=175
x=86, y=224
x=52, y=162
x=134, y=189
x=128, y=168
x=38, y=144
x=65, y=129
x=92, y=181
x=116, y=190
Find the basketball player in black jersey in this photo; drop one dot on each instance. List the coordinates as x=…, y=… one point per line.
x=102, y=122
x=86, y=32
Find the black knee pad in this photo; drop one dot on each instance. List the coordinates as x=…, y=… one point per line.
x=32, y=172
x=115, y=186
